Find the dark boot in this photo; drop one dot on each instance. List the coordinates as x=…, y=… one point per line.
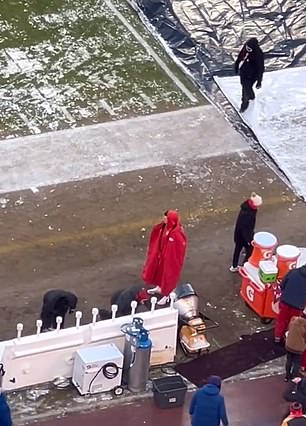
x=244, y=106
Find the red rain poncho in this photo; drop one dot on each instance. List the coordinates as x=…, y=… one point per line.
x=165, y=254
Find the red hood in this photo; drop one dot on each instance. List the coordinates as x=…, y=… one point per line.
x=172, y=219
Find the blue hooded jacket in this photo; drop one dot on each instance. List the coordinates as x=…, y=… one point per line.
x=5, y=414
x=207, y=407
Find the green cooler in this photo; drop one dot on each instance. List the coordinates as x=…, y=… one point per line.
x=267, y=271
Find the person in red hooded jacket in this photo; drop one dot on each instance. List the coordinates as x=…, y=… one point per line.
x=165, y=256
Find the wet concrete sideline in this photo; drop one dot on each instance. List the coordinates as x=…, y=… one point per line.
x=249, y=403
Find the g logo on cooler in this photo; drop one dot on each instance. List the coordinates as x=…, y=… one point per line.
x=267, y=254
x=292, y=265
x=250, y=293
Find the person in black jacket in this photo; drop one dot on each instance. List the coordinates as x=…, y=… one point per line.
x=296, y=392
x=244, y=229
x=56, y=303
x=250, y=66
x=292, y=301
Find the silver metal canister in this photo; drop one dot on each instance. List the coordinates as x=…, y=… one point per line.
x=140, y=365
x=131, y=332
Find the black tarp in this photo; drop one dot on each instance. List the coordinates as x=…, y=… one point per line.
x=206, y=36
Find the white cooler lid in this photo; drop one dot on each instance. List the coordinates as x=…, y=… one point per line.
x=268, y=267
x=102, y=353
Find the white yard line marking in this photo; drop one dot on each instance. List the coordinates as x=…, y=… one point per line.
x=151, y=51
x=67, y=114
x=103, y=104
x=147, y=100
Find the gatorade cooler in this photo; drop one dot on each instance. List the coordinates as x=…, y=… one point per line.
x=263, y=245
x=262, y=298
x=287, y=257
x=252, y=291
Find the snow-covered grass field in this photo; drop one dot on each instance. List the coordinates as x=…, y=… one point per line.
x=68, y=63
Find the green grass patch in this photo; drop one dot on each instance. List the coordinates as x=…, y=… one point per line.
x=69, y=63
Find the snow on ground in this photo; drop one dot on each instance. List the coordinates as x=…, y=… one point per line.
x=278, y=118
x=72, y=63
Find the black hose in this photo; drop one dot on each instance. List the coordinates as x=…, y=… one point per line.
x=105, y=369
x=2, y=372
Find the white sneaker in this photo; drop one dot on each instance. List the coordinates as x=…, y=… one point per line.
x=163, y=300
x=155, y=290
x=234, y=269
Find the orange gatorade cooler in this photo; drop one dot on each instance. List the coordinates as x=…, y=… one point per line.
x=287, y=257
x=263, y=244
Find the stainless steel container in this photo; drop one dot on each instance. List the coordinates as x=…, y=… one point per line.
x=186, y=302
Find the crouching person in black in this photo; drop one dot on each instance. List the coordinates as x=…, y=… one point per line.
x=123, y=298
x=250, y=66
x=56, y=303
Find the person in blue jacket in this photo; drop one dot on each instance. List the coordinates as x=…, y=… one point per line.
x=207, y=406
x=5, y=413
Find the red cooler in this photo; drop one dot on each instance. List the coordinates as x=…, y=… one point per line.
x=262, y=298
x=252, y=291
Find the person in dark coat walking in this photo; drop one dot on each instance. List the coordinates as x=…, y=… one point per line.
x=244, y=229
x=250, y=66
x=56, y=303
x=207, y=406
x=292, y=300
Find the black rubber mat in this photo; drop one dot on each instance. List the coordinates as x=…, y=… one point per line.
x=243, y=355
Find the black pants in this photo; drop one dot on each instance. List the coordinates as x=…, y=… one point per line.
x=239, y=245
x=247, y=92
x=49, y=318
x=293, y=365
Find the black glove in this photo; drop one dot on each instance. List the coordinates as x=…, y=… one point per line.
x=258, y=85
